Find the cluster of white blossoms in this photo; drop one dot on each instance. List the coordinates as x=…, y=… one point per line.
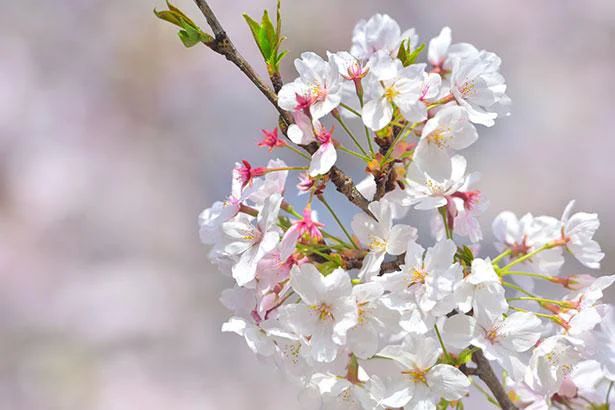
x=362, y=315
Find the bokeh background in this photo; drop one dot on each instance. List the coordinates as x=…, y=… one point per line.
x=113, y=137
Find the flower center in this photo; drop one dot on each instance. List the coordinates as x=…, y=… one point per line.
x=361, y=312
x=492, y=334
x=391, y=93
x=418, y=276
x=417, y=375
x=318, y=91
x=252, y=235
x=324, y=311
x=435, y=187
x=376, y=243
x=439, y=138
x=466, y=88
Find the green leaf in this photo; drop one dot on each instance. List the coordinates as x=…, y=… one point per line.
x=465, y=256
x=465, y=356
x=406, y=56
x=442, y=405
x=254, y=26
x=412, y=57
x=190, y=34
x=327, y=267
x=268, y=38
x=268, y=35
x=278, y=19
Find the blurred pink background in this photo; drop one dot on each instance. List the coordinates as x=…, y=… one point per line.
x=113, y=137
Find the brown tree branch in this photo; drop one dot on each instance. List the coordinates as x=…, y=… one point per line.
x=485, y=372
x=223, y=45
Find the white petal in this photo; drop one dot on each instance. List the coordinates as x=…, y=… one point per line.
x=458, y=331
x=399, y=238
x=307, y=281
x=377, y=113
x=448, y=381
x=323, y=159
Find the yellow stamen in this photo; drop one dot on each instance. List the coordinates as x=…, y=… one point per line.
x=417, y=375
x=324, y=311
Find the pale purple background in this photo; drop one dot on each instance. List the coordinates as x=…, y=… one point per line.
x=113, y=137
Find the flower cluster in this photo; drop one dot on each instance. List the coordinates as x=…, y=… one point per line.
x=367, y=316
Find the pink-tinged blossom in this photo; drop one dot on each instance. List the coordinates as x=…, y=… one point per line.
x=244, y=173
x=585, y=308
x=441, y=54
x=308, y=228
x=469, y=206
x=271, y=140
x=273, y=183
x=305, y=131
x=550, y=363
x=317, y=91
x=349, y=66
x=306, y=183
x=503, y=338
x=426, y=192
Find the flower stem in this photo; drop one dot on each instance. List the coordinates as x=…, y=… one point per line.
x=322, y=199
x=446, y=353
x=501, y=256
x=608, y=394
x=350, y=134
x=532, y=275
x=520, y=289
x=351, y=152
x=447, y=228
x=349, y=108
x=541, y=300
x=546, y=246
x=268, y=170
x=295, y=150
x=288, y=208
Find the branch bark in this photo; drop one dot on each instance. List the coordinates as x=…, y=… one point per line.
x=484, y=371
x=223, y=45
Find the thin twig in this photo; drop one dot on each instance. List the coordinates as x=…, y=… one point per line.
x=223, y=45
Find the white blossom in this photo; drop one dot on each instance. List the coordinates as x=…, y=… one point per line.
x=420, y=382
x=381, y=236
x=327, y=313
x=251, y=241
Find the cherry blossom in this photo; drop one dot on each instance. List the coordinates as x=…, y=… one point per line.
x=250, y=242
x=327, y=313
x=421, y=382
x=381, y=236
